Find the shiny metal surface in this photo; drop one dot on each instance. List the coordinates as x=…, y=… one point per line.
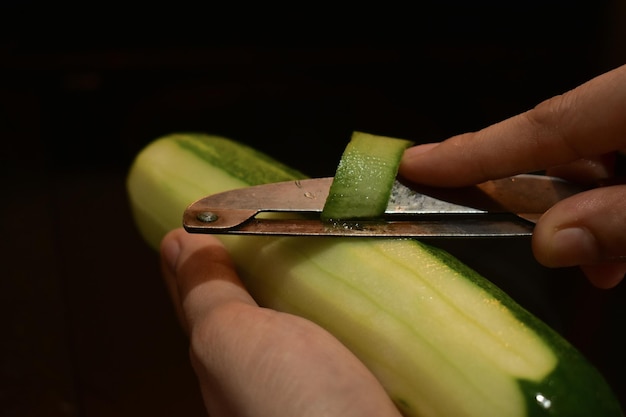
x=505, y=207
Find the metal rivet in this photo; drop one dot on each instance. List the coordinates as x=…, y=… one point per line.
x=206, y=216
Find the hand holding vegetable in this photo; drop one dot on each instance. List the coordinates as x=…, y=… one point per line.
x=255, y=361
x=575, y=136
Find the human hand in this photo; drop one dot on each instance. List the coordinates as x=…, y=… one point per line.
x=252, y=361
x=574, y=136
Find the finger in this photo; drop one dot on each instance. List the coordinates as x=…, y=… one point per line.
x=199, y=275
x=253, y=361
x=586, y=171
x=586, y=229
x=606, y=275
x=585, y=122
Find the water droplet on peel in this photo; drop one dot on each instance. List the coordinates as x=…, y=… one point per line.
x=543, y=401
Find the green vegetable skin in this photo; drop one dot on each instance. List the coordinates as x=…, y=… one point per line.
x=362, y=184
x=443, y=340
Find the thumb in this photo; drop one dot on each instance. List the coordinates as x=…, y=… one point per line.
x=586, y=230
x=199, y=275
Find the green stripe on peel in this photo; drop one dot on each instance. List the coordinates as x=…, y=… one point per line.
x=223, y=152
x=364, y=177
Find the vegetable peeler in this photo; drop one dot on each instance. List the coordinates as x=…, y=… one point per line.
x=507, y=207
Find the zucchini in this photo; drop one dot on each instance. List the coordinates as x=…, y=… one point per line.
x=443, y=340
x=364, y=177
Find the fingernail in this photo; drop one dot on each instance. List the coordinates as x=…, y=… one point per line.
x=407, y=163
x=170, y=251
x=573, y=246
x=419, y=149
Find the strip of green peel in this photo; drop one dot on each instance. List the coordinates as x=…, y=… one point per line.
x=364, y=177
x=240, y=161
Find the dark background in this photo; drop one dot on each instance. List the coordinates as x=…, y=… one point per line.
x=86, y=328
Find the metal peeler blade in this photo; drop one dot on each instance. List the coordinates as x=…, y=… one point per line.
x=507, y=207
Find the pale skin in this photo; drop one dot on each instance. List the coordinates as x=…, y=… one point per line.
x=572, y=136
x=252, y=361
